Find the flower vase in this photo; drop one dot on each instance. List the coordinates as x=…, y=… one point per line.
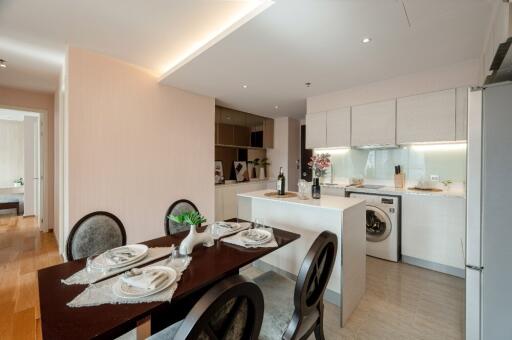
x=194, y=238
x=262, y=173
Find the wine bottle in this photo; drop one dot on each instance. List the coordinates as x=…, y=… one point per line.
x=281, y=180
x=315, y=188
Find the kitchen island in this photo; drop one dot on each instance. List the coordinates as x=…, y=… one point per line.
x=342, y=216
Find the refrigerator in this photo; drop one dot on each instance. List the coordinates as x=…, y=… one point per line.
x=489, y=207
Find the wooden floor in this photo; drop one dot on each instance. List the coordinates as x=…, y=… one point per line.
x=23, y=250
x=401, y=301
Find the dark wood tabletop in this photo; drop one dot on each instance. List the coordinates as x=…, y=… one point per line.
x=208, y=266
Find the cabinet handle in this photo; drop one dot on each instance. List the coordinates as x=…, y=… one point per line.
x=462, y=249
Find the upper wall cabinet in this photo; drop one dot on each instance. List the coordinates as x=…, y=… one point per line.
x=426, y=118
x=338, y=128
x=374, y=124
x=316, y=130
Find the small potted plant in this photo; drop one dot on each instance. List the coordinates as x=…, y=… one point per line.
x=319, y=165
x=194, y=219
x=262, y=164
x=447, y=183
x=19, y=182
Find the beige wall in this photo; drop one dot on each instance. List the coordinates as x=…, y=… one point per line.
x=461, y=74
x=37, y=101
x=11, y=151
x=134, y=146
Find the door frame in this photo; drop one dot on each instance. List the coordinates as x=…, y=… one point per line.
x=44, y=165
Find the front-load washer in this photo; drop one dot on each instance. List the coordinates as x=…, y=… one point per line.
x=382, y=225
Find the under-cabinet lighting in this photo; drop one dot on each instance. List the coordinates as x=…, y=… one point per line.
x=439, y=147
x=333, y=151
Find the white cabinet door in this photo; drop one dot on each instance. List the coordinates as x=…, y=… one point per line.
x=426, y=118
x=374, y=124
x=219, y=203
x=316, y=130
x=338, y=128
x=461, y=113
x=433, y=229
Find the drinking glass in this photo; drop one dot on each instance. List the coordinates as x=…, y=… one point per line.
x=259, y=222
x=177, y=260
x=303, y=189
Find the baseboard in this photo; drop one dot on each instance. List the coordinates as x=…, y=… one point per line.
x=434, y=266
x=329, y=295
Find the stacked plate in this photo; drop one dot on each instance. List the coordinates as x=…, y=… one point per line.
x=255, y=237
x=139, y=283
x=120, y=257
x=221, y=229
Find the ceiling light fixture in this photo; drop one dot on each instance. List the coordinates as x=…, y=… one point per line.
x=276, y=107
x=366, y=40
x=244, y=86
x=308, y=84
x=3, y=63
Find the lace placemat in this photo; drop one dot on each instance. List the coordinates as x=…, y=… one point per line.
x=102, y=293
x=235, y=239
x=83, y=277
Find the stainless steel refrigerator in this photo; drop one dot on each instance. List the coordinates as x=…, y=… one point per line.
x=489, y=208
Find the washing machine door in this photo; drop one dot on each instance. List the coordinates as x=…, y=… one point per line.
x=378, y=224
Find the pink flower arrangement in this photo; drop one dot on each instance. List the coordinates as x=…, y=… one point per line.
x=319, y=164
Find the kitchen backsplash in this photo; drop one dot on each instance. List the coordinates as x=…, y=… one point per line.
x=448, y=161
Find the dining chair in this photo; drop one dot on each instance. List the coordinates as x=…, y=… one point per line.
x=177, y=208
x=230, y=310
x=282, y=320
x=95, y=233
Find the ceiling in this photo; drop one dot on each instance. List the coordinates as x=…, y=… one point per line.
x=156, y=35
x=298, y=41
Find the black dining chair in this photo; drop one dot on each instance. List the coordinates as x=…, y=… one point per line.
x=282, y=320
x=230, y=310
x=95, y=233
x=177, y=208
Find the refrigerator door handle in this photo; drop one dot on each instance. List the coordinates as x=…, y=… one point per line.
x=469, y=266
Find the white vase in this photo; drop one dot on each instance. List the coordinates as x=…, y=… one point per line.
x=262, y=173
x=193, y=239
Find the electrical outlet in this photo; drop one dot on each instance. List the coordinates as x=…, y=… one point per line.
x=434, y=178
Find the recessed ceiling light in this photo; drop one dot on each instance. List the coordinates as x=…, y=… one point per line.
x=366, y=40
x=308, y=84
x=244, y=86
x=3, y=63
x=276, y=107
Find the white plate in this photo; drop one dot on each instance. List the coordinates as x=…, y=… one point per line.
x=265, y=234
x=125, y=291
x=141, y=251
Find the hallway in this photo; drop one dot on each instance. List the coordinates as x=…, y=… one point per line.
x=23, y=250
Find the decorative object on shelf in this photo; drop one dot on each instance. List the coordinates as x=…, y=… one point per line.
x=319, y=164
x=262, y=165
x=276, y=195
x=241, y=173
x=18, y=182
x=219, y=172
x=194, y=219
x=303, y=188
x=315, y=188
x=356, y=181
x=252, y=169
x=447, y=183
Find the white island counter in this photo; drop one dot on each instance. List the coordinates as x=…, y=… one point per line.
x=342, y=216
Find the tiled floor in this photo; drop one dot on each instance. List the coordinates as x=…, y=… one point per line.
x=401, y=301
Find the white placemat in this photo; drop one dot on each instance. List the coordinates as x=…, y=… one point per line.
x=101, y=293
x=83, y=277
x=235, y=239
x=243, y=226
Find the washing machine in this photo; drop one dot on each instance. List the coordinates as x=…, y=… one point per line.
x=382, y=225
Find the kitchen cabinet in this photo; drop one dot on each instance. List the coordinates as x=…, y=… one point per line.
x=338, y=128
x=268, y=133
x=461, y=114
x=433, y=229
x=374, y=124
x=426, y=118
x=316, y=130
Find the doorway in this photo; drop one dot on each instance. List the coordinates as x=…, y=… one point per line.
x=22, y=163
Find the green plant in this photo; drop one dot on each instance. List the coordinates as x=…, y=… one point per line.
x=261, y=162
x=188, y=217
x=19, y=181
x=447, y=182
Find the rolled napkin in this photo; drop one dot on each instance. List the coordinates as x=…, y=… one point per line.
x=145, y=279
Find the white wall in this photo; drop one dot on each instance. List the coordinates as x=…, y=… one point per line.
x=30, y=167
x=461, y=74
x=11, y=151
x=134, y=146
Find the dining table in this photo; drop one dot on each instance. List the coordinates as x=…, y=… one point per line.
x=209, y=265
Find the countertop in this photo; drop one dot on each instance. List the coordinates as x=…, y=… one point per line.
x=397, y=191
x=252, y=181
x=325, y=202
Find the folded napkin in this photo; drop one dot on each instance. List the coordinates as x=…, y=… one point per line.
x=117, y=256
x=145, y=279
x=222, y=229
x=239, y=241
